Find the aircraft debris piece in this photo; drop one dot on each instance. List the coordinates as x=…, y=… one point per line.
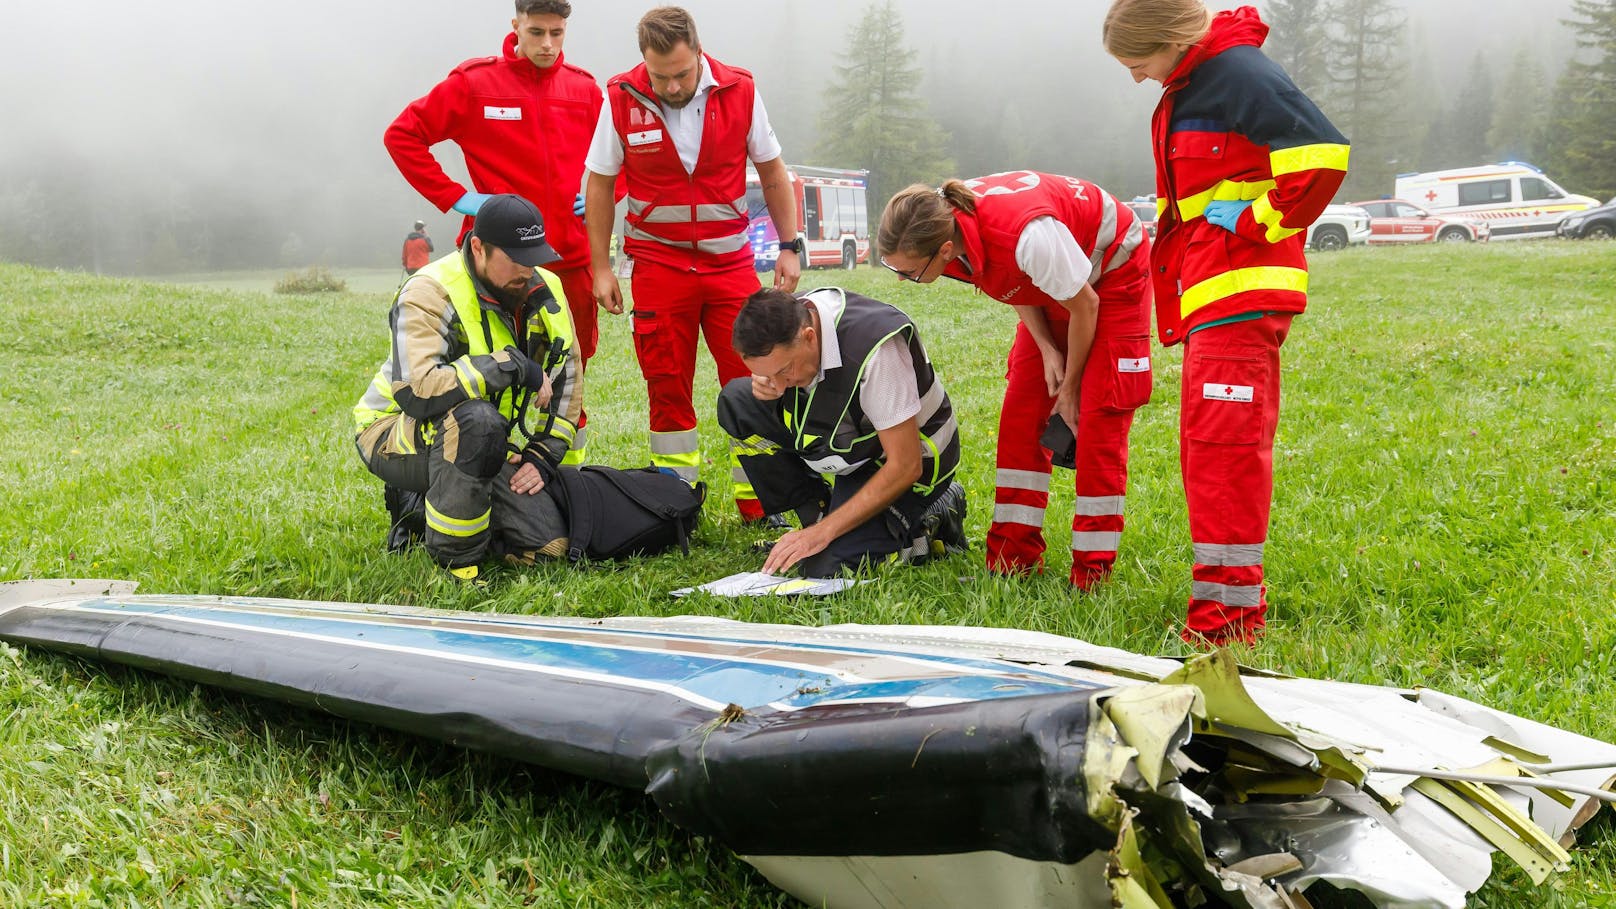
x=889, y=767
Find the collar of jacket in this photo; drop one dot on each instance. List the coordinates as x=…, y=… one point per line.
x=1230, y=28
x=486, y=297
x=525, y=66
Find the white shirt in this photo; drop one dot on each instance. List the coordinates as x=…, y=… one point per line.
x=1050, y=256
x=684, y=125
x=888, y=393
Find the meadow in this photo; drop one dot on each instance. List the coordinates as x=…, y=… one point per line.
x=1444, y=517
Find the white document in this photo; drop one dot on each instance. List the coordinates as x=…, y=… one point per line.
x=759, y=584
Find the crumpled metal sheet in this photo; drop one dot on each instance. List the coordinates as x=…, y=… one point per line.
x=888, y=767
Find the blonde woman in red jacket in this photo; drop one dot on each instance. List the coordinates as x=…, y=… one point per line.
x=1073, y=262
x=1244, y=163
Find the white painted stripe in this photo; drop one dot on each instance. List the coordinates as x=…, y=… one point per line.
x=740, y=651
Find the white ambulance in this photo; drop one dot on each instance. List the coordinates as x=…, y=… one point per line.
x=1514, y=199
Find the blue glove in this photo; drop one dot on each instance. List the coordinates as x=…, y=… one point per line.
x=578, y=205
x=470, y=202
x=1225, y=214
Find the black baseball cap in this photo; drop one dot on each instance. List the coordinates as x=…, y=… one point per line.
x=514, y=224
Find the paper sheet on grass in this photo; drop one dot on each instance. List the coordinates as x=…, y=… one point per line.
x=759, y=584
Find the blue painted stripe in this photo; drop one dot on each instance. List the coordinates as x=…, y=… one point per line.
x=748, y=682
x=334, y=612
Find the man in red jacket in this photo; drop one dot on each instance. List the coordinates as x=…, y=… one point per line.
x=680, y=129
x=523, y=121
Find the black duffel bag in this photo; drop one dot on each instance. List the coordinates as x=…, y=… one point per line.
x=612, y=513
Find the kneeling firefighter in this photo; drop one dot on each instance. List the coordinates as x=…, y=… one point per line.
x=482, y=384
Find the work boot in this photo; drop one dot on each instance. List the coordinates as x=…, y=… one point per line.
x=407, y=511
x=944, y=521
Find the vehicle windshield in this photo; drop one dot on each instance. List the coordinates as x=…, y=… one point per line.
x=755, y=205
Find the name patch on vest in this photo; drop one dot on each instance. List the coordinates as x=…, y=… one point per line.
x=1125, y=364
x=645, y=137
x=501, y=113
x=1213, y=391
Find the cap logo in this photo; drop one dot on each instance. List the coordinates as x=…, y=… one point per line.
x=534, y=232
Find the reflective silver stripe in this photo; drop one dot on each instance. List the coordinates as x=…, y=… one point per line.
x=738, y=475
x=929, y=404
x=682, y=442
x=945, y=434
x=667, y=214
x=688, y=474
x=1130, y=242
x=630, y=232
x=1233, y=555
x=1018, y=514
x=1096, y=540
x=1005, y=478
x=720, y=245
x=635, y=206
x=1108, y=231
x=580, y=439
x=1227, y=594
x=717, y=212
x=1095, y=506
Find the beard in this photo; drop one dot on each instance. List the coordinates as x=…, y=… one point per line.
x=677, y=104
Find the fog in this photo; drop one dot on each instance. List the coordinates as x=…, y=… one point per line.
x=191, y=134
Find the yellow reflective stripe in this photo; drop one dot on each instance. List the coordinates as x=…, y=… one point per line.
x=471, y=381
x=1225, y=191
x=686, y=459
x=1241, y=280
x=1307, y=157
x=455, y=527
x=403, y=443
x=1161, y=207
x=1268, y=216
x=754, y=445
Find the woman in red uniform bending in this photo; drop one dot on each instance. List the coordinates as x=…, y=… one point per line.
x=1073, y=262
x=1244, y=163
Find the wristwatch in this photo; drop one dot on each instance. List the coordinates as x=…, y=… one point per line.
x=793, y=245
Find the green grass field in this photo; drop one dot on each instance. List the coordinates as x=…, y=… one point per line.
x=1446, y=468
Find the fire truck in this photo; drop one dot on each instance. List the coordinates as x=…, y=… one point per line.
x=832, y=217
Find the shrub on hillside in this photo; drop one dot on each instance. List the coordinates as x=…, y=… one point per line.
x=316, y=279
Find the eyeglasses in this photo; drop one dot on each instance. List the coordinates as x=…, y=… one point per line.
x=912, y=275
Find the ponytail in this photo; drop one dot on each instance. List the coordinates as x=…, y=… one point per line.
x=919, y=219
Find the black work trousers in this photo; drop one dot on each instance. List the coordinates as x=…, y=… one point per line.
x=785, y=482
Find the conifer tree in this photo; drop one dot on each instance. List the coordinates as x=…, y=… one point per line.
x=874, y=116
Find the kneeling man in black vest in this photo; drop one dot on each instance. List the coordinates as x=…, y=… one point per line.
x=842, y=385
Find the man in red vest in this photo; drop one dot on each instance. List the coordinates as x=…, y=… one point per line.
x=418, y=249
x=523, y=121
x=680, y=128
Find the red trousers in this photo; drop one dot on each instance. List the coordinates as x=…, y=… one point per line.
x=670, y=307
x=579, y=286
x=1116, y=382
x=1227, y=420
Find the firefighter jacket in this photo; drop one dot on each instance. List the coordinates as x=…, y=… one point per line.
x=522, y=130
x=831, y=432
x=1231, y=126
x=697, y=220
x=451, y=342
x=1105, y=229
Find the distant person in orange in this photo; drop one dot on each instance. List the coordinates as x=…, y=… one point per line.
x=417, y=249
